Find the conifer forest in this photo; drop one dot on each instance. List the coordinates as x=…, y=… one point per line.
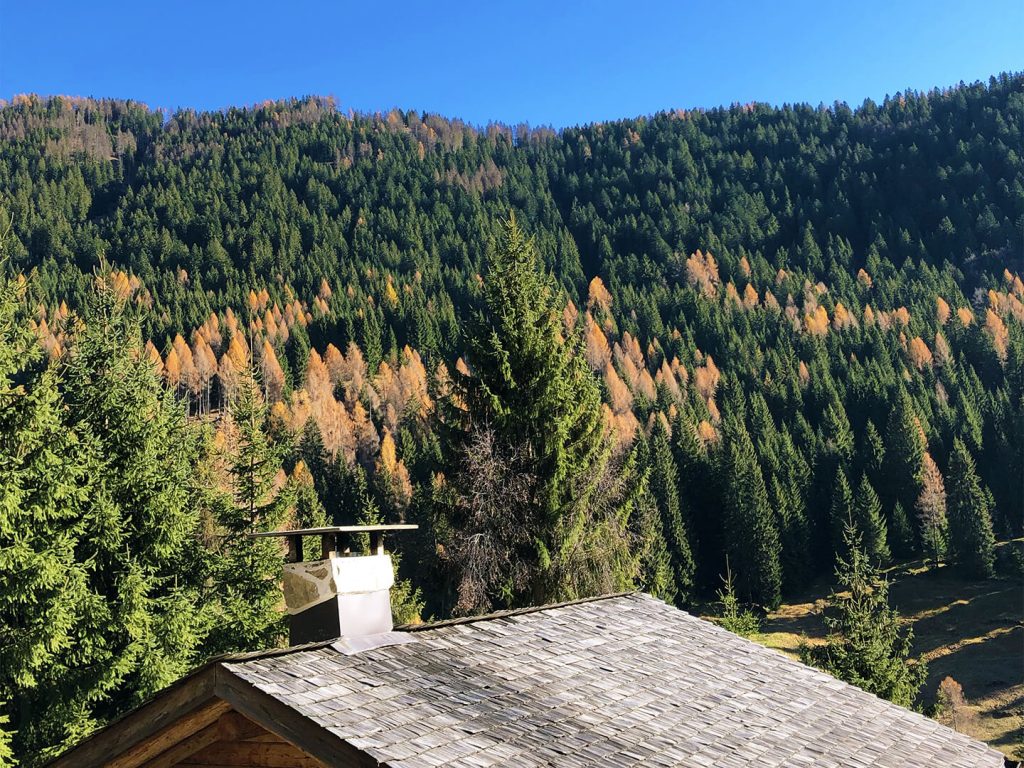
x=767, y=344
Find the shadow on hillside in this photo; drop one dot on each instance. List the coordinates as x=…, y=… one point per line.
x=985, y=668
x=973, y=614
x=1012, y=707
x=800, y=619
x=943, y=606
x=927, y=585
x=1013, y=738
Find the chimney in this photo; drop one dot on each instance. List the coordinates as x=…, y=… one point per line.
x=343, y=594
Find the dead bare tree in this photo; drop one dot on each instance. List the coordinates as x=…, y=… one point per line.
x=486, y=550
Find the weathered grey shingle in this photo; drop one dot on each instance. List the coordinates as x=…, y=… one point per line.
x=622, y=681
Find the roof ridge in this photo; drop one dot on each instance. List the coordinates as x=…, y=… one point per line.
x=510, y=612
x=267, y=653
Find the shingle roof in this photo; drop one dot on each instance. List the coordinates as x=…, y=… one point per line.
x=627, y=680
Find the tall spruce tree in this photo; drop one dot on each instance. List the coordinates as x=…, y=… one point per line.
x=837, y=437
x=841, y=513
x=904, y=453
x=106, y=475
x=751, y=535
x=873, y=453
x=144, y=456
x=247, y=570
x=700, y=490
x=971, y=540
x=867, y=645
x=787, y=495
x=44, y=588
x=902, y=540
x=664, y=487
x=792, y=537
x=655, y=573
x=309, y=511
x=129, y=570
x=870, y=523
x=529, y=412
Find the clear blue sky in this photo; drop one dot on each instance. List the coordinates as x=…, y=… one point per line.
x=554, y=62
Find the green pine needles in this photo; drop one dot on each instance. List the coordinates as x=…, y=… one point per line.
x=534, y=509
x=971, y=541
x=867, y=644
x=247, y=571
x=752, y=535
x=97, y=607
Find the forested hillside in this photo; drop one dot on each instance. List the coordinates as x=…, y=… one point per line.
x=736, y=335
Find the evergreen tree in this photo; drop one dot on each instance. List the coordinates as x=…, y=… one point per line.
x=102, y=461
x=901, y=532
x=248, y=570
x=313, y=454
x=6, y=751
x=751, y=534
x=44, y=588
x=969, y=422
x=664, y=487
x=144, y=454
x=733, y=615
x=309, y=512
x=787, y=495
x=656, y=575
x=870, y=523
x=342, y=490
x=841, y=513
x=362, y=508
x=866, y=645
x=904, y=453
x=125, y=569
x=837, y=437
x=372, y=343
x=971, y=540
x=701, y=488
x=530, y=411
x=874, y=453
x=793, y=538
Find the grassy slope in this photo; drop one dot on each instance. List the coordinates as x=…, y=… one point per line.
x=971, y=631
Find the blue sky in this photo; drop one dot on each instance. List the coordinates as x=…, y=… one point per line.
x=546, y=63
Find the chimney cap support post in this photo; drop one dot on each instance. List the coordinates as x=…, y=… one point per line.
x=328, y=546
x=329, y=536
x=294, y=549
x=377, y=542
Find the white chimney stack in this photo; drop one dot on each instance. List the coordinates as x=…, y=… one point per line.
x=343, y=594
